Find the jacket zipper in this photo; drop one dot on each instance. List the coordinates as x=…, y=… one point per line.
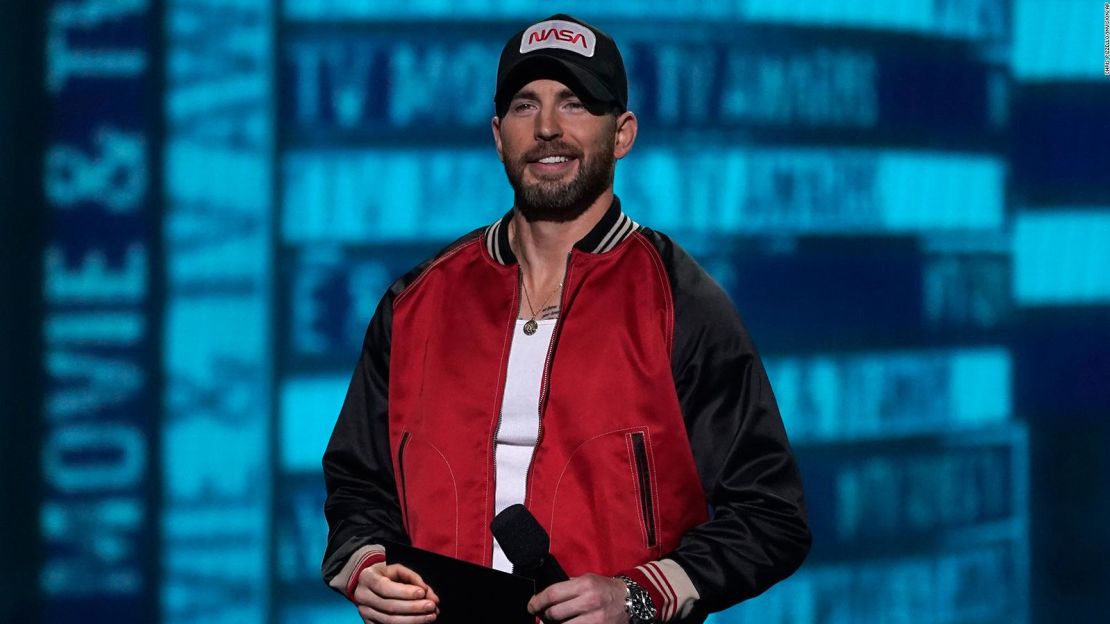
x=547, y=376
x=401, y=470
x=643, y=475
x=500, y=412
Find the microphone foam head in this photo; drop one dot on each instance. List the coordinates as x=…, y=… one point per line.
x=521, y=537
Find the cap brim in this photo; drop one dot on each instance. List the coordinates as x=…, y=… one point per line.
x=589, y=88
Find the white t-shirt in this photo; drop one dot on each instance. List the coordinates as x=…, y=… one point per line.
x=520, y=420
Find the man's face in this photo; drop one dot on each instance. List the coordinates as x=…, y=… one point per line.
x=558, y=156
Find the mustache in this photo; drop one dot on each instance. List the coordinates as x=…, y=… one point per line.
x=551, y=149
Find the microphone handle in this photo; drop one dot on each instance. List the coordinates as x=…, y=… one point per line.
x=547, y=573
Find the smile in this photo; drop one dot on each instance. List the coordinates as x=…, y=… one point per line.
x=550, y=167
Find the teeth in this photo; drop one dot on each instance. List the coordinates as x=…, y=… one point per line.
x=550, y=160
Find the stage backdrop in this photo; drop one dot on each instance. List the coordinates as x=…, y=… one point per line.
x=908, y=202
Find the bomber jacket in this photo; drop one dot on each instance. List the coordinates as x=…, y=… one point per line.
x=660, y=442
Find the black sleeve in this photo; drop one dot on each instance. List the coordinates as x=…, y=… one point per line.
x=757, y=534
x=362, y=505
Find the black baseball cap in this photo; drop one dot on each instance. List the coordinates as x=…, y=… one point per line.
x=564, y=48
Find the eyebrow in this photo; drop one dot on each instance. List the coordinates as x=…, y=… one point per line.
x=528, y=94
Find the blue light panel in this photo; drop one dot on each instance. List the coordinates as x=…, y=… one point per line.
x=827, y=398
x=309, y=407
x=379, y=196
x=1061, y=257
x=216, y=476
x=1057, y=40
x=978, y=19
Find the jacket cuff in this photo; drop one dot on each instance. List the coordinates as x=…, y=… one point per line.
x=668, y=585
x=347, y=579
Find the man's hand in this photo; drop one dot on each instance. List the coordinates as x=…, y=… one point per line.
x=394, y=594
x=586, y=599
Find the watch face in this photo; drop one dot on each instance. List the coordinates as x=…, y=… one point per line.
x=641, y=610
x=640, y=605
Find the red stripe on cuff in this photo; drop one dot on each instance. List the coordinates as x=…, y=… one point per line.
x=369, y=559
x=656, y=574
x=656, y=598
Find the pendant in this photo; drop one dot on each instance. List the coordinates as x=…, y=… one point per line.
x=530, y=327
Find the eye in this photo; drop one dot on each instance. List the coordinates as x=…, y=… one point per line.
x=521, y=106
x=575, y=104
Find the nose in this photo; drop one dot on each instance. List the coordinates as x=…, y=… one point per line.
x=547, y=124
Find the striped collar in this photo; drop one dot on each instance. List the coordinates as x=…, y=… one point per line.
x=614, y=227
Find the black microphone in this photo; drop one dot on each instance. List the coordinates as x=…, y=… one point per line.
x=527, y=546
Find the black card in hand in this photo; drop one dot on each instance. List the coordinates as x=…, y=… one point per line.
x=467, y=592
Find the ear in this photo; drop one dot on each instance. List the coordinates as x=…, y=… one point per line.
x=495, y=126
x=626, y=129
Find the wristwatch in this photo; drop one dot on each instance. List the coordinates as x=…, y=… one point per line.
x=637, y=603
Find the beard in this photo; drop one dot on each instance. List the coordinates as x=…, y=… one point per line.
x=556, y=200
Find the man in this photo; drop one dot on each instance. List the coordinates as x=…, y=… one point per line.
x=569, y=359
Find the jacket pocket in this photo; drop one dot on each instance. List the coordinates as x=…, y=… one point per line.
x=642, y=472
x=428, y=494
x=401, y=478
x=598, y=521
